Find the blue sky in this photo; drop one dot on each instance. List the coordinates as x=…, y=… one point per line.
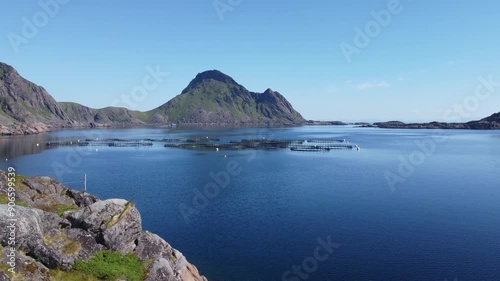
x=417, y=66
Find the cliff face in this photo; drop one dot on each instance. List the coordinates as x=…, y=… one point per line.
x=25, y=103
x=57, y=226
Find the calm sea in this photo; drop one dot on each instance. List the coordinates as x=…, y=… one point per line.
x=410, y=205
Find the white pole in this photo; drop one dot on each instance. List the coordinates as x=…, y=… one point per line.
x=85, y=184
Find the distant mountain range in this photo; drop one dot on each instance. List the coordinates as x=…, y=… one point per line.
x=211, y=99
x=489, y=123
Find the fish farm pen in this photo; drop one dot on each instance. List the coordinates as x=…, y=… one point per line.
x=311, y=145
x=104, y=142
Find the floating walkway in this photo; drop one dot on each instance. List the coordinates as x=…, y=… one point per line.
x=310, y=145
x=106, y=142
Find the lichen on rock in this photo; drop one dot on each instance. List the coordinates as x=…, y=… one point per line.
x=48, y=239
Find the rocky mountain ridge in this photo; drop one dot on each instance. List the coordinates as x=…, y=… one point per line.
x=212, y=98
x=26, y=107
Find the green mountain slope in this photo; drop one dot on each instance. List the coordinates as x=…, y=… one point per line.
x=215, y=98
x=108, y=116
x=211, y=98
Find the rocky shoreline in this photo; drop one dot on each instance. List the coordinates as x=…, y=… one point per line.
x=474, y=125
x=37, y=128
x=23, y=129
x=56, y=227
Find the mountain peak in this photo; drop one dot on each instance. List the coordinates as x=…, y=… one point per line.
x=214, y=74
x=5, y=69
x=209, y=75
x=268, y=91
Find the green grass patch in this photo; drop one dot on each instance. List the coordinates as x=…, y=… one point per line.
x=112, y=266
x=59, y=275
x=4, y=199
x=19, y=183
x=69, y=247
x=57, y=208
x=145, y=116
x=63, y=208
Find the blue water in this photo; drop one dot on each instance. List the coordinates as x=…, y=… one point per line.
x=441, y=221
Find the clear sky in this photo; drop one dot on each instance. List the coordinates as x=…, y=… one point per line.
x=415, y=66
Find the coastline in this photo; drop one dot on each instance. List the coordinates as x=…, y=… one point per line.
x=62, y=227
x=24, y=129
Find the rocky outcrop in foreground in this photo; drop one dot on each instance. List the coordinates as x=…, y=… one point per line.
x=57, y=226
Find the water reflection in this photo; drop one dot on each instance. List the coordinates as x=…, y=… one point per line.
x=16, y=146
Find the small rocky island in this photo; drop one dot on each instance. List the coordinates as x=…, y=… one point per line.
x=63, y=234
x=489, y=123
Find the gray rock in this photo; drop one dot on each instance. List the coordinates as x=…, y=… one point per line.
x=81, y=199
x=4, y=276
x=169, y=264
x=89, y=245
x=47, y=194
x=44, y=185
x=161, y=269
x=34, y=228
x=55, y=242
x=152, y=246
x=29, y=224
x=115, y=223
x=25, y=267
x=28, y=106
